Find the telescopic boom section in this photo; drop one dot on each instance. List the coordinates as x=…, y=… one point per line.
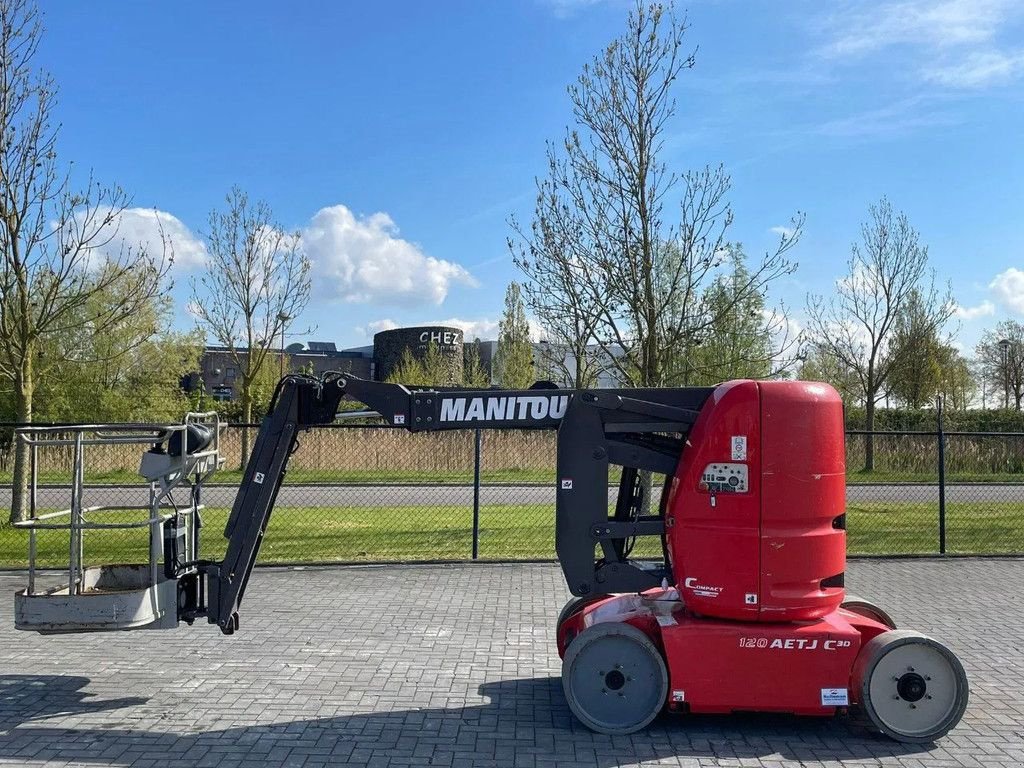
x=638, y=429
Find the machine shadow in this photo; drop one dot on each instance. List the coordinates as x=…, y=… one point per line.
x=33, y=697
x=527, y=715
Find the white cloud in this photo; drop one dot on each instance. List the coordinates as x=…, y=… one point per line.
x=136, y=229
x=376, y=326
x=362, y=259
x=484, y=329
x=1008, y=289
x=973, y=313
x=977, y=70
x=950, y=43
x=858, y=29
x=783, y=232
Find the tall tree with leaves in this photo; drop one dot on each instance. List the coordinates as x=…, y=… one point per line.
x=58, y=245
x=131, y=371
x=473, y=372
x=1002, y=365
x=887, y=272
x=429, y=369
x=918, y=354
x=256, y=282
x=514, y=359
x=957, y=385
x=741, y=340
x=602, y=238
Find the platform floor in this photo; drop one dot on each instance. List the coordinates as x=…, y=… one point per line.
x=455, y=666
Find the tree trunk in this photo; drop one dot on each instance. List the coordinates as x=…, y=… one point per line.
x=23, y=390
x=246, y=418
x=869, y=438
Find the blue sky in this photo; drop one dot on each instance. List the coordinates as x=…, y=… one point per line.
x=399, y=137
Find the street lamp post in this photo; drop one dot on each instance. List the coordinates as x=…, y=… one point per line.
x=1004, y=345
x=283, y=318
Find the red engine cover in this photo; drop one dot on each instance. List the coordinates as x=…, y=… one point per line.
x=754, y=516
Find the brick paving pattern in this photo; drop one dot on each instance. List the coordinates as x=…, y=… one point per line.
x=455, y=666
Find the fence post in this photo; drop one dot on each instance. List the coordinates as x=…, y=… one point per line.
x=476, y=492
x=942, y=478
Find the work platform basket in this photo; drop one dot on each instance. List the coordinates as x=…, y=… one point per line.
x=109, y=596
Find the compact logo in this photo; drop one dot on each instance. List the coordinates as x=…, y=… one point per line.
x=521, y=407
x=701, y=590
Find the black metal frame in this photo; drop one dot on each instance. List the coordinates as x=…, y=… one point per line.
x=642, y=430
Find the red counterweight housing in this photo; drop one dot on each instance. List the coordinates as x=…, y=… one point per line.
x=755, y=516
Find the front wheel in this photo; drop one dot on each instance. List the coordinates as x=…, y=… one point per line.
x=912, y=687
x=614, y=678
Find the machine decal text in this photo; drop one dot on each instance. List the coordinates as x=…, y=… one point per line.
x=522, y=407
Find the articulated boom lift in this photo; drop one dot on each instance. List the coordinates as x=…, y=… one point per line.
x=745, y=609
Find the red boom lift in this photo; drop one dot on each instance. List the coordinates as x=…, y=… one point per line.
x=744, y=610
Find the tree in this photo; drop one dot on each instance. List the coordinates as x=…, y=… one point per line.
x=621, y=274
x=515, y=350
x=57, y=245
x=131, y=371
x=739, y=343
x=817, y=365
x=473, y=372
x=553, y=257
x=957, y=384
x=918, y=354
x=429, y=370
x=256, y=282
x=887, y=272
x=1002, y=366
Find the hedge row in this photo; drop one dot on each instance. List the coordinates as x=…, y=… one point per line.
x=924, y=420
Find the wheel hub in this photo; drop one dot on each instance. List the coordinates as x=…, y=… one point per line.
x=614, y=680
x=911, y=687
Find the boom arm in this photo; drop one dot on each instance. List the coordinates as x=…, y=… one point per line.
x=639, y=429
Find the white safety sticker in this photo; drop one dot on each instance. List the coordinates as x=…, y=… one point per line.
x=834, y=697
x=678, y=696
x=566, y=484
x=739, y=447
x=258, y=478
x=750, y=599
x=399, y=418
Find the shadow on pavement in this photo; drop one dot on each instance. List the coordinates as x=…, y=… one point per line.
x=33, y=697
x=527, y=716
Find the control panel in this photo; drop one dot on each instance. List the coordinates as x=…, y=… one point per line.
x=725, y=478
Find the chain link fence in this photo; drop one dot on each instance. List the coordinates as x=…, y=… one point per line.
x=377, y=494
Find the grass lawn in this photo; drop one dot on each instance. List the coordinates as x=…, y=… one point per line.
x=509, y=532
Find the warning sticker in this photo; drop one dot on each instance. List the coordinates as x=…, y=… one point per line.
x=678, y=696
x=739, y=447
x=834, y=697
x=566, y=484
x=399, y=418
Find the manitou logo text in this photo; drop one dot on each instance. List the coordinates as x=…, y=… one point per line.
x=520, y=407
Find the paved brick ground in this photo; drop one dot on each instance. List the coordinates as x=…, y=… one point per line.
x=454, y=666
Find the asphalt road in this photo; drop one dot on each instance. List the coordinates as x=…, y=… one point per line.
x=458, y=496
